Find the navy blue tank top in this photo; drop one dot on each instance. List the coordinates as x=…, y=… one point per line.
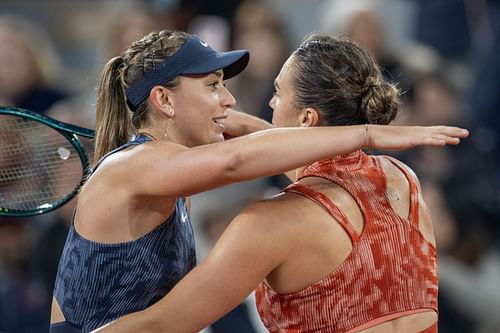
x=97, y=283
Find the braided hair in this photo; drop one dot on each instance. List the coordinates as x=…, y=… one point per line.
x=114, y=120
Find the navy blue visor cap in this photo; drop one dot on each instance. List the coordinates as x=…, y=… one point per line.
x=194, y=57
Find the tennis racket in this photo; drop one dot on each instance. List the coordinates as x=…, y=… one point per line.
x=43, y=163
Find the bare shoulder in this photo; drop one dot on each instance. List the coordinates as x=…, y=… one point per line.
x=135, y=163
x=271, y=216
x=144, y=154
x=394, y=172
x=270, y=209
x=266, y=228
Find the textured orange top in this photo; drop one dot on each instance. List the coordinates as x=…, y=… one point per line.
x=390, y=272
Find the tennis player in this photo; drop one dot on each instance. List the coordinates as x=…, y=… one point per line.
x=131, y=240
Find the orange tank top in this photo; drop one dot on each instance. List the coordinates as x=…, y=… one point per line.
x=390, y=272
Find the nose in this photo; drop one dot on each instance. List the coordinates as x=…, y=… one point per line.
x=272, y=102
x=228, y=99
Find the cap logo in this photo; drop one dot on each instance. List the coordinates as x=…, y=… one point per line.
x=193, y=57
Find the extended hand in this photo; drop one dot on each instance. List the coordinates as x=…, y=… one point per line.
x=405, y=137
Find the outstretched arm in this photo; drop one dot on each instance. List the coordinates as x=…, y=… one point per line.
x=240, y=123
x=182, y=171
x=252, y=246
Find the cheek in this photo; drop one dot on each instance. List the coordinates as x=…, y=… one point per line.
x=207, y=103
x=278, y=117
x=283, y=114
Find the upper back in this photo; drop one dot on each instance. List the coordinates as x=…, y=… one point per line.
x=364, y=250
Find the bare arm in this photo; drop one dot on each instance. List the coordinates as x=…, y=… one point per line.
x=244, y=255
x=240, y=123
x=180, y=171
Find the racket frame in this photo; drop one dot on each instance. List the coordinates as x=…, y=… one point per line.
x=70, y=132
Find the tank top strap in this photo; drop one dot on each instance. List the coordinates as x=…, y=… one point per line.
x=134, y=141
x=328, y=204
x=414, y=202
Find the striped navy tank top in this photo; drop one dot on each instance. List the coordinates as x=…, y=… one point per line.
x=97, y=283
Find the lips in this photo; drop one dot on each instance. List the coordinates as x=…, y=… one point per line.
x=219, y=121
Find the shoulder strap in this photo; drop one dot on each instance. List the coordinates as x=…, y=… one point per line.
x=414, y=203
x=328, y=204
x=136, y=140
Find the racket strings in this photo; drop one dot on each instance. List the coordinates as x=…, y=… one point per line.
x=38, y=165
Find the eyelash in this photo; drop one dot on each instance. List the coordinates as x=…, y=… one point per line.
x=216, y=84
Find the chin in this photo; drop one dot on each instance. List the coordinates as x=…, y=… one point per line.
x=220, y=138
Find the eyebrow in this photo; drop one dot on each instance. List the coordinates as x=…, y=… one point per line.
x=276, y=85
x=218, y=74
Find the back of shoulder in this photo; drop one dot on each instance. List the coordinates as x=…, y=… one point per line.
x=397, y=171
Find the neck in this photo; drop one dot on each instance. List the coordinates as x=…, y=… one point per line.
x=154, y=134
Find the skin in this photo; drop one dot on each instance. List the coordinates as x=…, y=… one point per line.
x=257, y=245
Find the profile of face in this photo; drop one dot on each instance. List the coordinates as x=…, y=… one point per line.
x=285, y=113
x=200, y=104
x=332, y=81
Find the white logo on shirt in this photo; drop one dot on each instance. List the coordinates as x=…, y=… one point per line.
x=204, y=43
x=184, y=216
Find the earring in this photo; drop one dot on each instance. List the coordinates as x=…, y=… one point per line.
x=165, y=133
x=170, y=111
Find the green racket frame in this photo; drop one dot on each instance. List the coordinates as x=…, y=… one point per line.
x=70, y=132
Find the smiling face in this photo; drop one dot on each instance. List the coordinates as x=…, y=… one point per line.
x=200, y=103
x=285, y=112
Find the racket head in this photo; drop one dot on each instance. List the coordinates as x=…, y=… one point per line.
x=42, y=166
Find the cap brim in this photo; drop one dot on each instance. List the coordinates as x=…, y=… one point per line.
x=232, y=63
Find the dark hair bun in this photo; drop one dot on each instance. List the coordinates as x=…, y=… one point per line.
x=379, y=101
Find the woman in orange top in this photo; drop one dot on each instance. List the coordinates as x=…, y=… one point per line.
x=348, y=247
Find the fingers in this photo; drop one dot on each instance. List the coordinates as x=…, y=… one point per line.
x=452, y=135
x=453, y=131
x=433, y=141
x=446, y=135
x=447, y=140
x=405, y=137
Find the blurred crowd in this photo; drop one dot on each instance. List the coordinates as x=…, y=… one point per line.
x=444, y=54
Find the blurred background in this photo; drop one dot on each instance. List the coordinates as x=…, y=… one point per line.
x=445, y=55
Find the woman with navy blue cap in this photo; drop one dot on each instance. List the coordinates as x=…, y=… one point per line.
x=162, y=112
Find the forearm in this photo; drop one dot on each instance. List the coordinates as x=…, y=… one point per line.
x=278, y=150
x=274, y=151
x=240, y=123
x=188, y=308
x=243, y=256
x=132, y=323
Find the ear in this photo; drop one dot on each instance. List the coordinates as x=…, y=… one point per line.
x=161, y=99
x=309, y=117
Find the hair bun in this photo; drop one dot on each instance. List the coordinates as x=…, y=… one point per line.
x=370, y=83
x=379, y=101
